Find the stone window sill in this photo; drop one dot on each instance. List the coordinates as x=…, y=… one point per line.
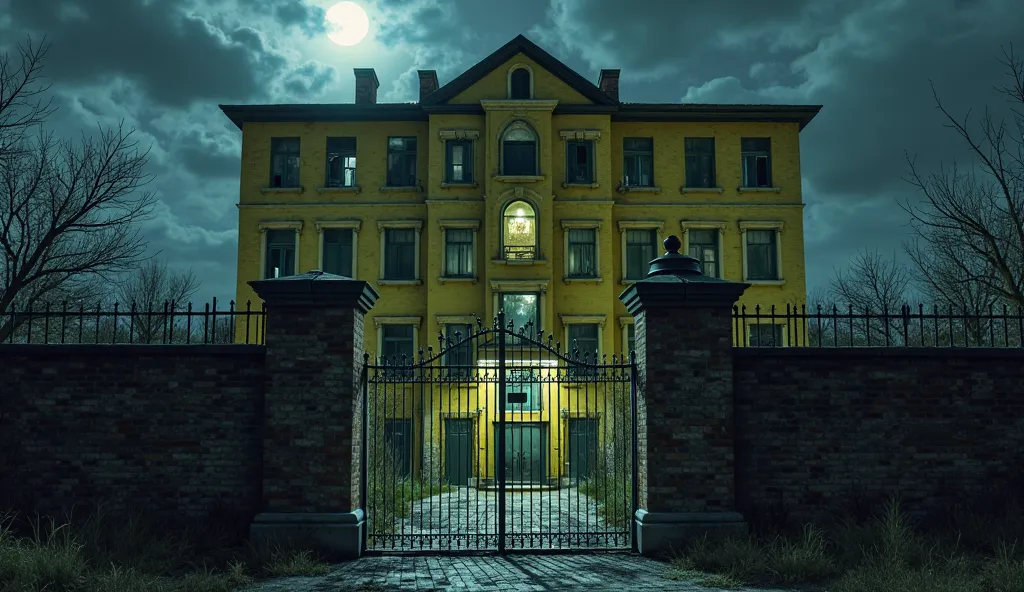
x=459, y=185
x=582, y=280
x=384, y=282
x=457, y=280
x=518, y=178
x=759, y=190
x=266, y=190
x=400, y=189
x=765, y=282
x=348, y=189
x=519, y=261
x=580, y=185
x=640, y=189
x=627, y=281
x=685, y=189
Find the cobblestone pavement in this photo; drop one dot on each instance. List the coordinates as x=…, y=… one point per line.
x=621, y=572
x=466, y=518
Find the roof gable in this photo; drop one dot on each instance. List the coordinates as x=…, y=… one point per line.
x=505, y=53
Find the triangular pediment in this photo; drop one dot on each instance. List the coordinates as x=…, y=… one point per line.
x=551, y=77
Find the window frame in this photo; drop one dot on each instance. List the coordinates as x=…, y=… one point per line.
x=518, y=124
x=534, y=254
x=766, y=154
x=567, y=227
x=443, y=324
x=343, y=154
x=469, y=178
x=777, y=227
x=538, y=287
x=406, y=153
x=568, y=321
x=276, y=150
x=625, y=226
x=572, y=149
x=387, y=321
x=780, y=334
x=634, y=153
x=719, y=228
x=265, y=226
x=383, y=226
x=354, y=226
x=697, y=155
x=474, y=227
x=509, y=90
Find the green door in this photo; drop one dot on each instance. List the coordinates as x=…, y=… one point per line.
x=582, y=448
x=525, y=446
x=458, y=451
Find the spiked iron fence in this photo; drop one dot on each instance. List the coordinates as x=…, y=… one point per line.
x=166, y=323
x=910, y=326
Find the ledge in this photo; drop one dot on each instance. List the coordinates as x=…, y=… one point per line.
x=70, y=350
x=685, y=189
x=518, y=178
x=981, y=353
x=266, y=190
x=519, y=261
x=582, y=280
x=758, y=190
x=457, y=280
x=383, y=282
x=348, y=189
x=399, y=188
x=640, y=189
x=459, y=185
x=580, y=185
x=765, y=282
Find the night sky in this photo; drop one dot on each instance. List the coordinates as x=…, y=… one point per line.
x=163, y=66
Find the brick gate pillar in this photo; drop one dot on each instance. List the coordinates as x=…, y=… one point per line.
x=683, y=323
x=312, y=411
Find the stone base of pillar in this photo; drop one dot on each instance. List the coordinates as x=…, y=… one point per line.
x=660, y=533
x=339, y=536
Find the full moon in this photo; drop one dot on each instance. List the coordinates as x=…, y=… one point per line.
x=347, y=23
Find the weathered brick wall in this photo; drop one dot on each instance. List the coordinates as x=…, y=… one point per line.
x=173, y=429
x=815, y=426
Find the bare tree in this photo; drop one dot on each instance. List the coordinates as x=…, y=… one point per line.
x=968, y=244
x=148, y=294
x=70, y=212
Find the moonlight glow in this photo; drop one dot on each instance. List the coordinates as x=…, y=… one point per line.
x=347, y=23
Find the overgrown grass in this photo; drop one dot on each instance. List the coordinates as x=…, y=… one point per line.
x=614, y=497
x=102, y=553
x=888, y=553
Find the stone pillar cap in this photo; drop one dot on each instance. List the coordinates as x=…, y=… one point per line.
x=316, y=288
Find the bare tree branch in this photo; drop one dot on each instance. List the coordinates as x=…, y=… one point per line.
x=152, y=288
x=21, y=94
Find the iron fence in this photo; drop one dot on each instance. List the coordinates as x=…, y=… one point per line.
x=168, y=323
x=910, y=326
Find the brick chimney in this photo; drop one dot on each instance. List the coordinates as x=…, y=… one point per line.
x=366, y=86
x=428, y=82
x=609, y=83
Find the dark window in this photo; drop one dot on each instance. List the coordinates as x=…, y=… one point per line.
x=338, y=251
x=704, y=248
x=579, y=164
x=756, y=156
x=582, y=252
x=458, y=350
x=397, y=349
x=641, y=249
x=519, y=231
x=630, y=339
x=638, y=162
x=284, y=162
x=399, y=254
x=458, y=252
x=398, y=439
x=401, y=162
x=519, y=150
x=280, y=253
x=762, y=255
x=765, y=335
x=341, y=162
x=522, y=310
x=459, y=161
x=583, y=342
x=520, y=84
x=700, y=162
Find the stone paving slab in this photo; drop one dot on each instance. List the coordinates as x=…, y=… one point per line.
x=622, y=572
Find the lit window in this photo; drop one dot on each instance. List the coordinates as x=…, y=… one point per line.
x=519, y=231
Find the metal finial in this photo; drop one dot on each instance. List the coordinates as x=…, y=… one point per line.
x=672, y=244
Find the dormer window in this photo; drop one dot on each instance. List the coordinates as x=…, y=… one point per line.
x=520, y=86
x=519, y=150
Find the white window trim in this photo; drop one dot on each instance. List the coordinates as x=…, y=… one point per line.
x=687, y=225
x=572, y=319
x=540, y=287
x=528, y=200
x=624, y=225
x=353, y=225
x=537, y=155
x=594, y=225
x=266, y=225
x=473, y=225
x=580, y=135
x=624, y=322
x=777, y=226
x=508, y=79
x=416, y=225
x=470, y=135
x=380, y=321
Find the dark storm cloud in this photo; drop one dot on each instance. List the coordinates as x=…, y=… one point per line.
x=308, y=79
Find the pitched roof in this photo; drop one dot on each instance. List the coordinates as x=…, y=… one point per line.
x=531, y=50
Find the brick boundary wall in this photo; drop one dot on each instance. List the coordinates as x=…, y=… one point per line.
x=175, y=430
x=815, y=426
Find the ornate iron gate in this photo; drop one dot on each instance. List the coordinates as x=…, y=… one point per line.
x=499, y=441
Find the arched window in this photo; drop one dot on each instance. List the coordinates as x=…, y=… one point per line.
x=519, y=150
x=519, y=231
x=519, y=84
